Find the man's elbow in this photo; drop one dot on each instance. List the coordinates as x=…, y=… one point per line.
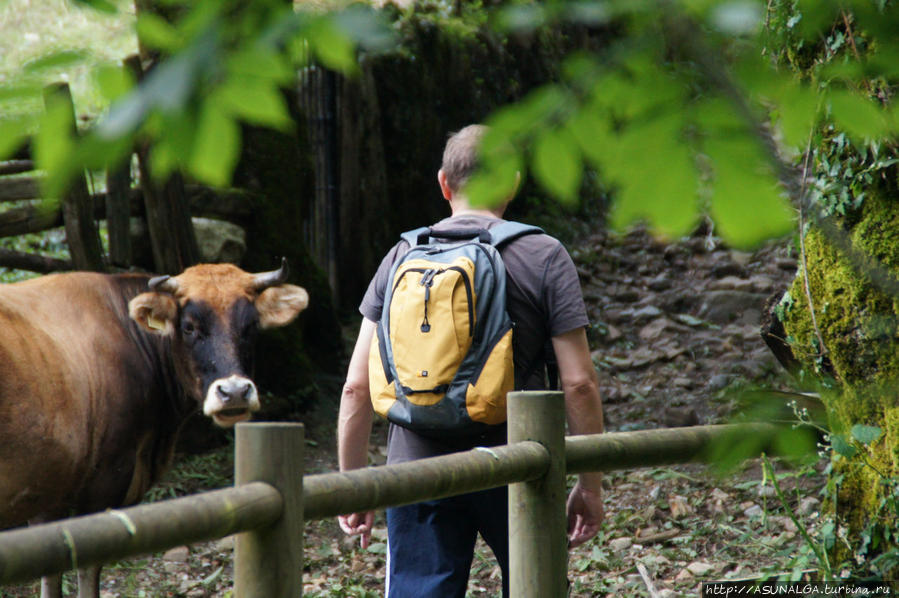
x=355, y=391
x=584, y=384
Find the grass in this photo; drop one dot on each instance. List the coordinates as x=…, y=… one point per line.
x=33, y=29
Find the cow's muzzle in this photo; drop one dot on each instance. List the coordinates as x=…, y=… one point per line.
x=231, y=400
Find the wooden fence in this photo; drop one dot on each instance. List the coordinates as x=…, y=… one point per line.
x=271, y=500
x=116, y=196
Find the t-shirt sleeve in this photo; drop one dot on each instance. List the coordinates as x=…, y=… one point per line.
x=373, y=300
x=562, y=294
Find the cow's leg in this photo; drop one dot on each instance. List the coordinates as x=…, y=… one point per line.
x=51, y=586
x=89, y=582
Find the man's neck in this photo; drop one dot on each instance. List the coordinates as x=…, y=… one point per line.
x=475, y=212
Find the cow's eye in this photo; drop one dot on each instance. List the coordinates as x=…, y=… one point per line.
x=188, y=328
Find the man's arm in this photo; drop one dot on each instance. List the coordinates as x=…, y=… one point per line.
x=354, y=425
x=583, y=407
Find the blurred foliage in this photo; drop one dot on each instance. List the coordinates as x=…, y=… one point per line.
x=679, y=117
x=701, y=107
x=226, y=64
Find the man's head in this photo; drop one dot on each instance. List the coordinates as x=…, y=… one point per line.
x=460, y=156
x=460, y=160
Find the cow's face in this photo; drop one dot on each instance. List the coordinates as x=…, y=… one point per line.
x=212, y=313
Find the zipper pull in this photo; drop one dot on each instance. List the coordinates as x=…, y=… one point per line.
x=427, y=280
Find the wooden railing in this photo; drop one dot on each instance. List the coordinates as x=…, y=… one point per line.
x=271, y=499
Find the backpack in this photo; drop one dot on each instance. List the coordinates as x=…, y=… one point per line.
x=441, y=360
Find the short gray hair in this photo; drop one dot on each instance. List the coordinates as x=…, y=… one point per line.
x=460, y=157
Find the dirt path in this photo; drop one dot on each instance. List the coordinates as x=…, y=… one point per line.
x=675, y=334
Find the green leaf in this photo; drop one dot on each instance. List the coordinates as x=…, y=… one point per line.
x=557, y=164
x=796, y=113
x=157, y=33
x=818, y=17
x=54, y=145
x=254, y=101
x=656, y=177
x=542, y=105
x=61, y=59
x=746, y=205
x=175, y=135
x=54, y=139
x=113, y=81
x=20, y=92
x=332, y=45
x=866, y=434
x=13, y=133
x=216, y=146
x=842, y=447
x=104, y=6
x=858, y=115
x=497, y=179
x=796, y=443
x=260, y=63
x=593, y=134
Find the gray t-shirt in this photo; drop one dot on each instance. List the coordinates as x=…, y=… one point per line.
x=543, y=298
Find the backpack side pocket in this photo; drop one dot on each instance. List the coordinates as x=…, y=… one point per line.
x=485, y=398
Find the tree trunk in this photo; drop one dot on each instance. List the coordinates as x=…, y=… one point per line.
x=854, y=341
x=168, y=214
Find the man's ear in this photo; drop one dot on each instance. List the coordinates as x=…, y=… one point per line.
x=154, y=312
x=278, y=306
x=444, y=185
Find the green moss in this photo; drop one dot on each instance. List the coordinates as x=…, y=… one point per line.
x=857, y=323
x=858, y=327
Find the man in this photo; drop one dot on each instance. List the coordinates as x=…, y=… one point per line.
x=431, y=544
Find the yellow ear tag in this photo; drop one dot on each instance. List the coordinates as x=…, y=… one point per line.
x=155, y=323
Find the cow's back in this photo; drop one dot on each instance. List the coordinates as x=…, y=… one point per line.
x=74, y=379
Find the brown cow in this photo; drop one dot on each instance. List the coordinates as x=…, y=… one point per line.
x=98, y=372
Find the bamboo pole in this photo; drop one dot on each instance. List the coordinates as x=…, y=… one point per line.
x=33, y=552
x=647, y=448
x=16, y=166
x=82, y=236
x=19, y=188
x=32, y=262
x=538, y=548
x=268, y=561
x=332, y=494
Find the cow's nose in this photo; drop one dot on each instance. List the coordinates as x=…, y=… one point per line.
x=234, y=389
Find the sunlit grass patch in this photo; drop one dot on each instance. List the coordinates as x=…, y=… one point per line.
x=77, y=37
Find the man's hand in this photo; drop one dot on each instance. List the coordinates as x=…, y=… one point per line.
x=585, y=513
x=358, y=524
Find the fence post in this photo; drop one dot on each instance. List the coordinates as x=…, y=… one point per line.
x=538, y=545
x=268, y=562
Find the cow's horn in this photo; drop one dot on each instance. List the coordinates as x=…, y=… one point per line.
x=264, y=280
x=163, y=284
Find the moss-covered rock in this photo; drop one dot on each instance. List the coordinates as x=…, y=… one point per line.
x=858, y=353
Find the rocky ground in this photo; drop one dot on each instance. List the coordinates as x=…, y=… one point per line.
x=675, y=337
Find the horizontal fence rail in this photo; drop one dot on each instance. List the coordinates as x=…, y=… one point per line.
x=331, y=494
x=33, y=552
x=269, y=456
x=647, y=448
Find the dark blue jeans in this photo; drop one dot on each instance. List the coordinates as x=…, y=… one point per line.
x=431, y=544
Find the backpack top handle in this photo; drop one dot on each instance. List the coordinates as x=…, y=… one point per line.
x=455, y=234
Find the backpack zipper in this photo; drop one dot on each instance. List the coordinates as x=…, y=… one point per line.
x=425, y=326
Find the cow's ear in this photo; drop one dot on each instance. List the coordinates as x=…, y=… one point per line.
x=155, y=312
x=278, y=306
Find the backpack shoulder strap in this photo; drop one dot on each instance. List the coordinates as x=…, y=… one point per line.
x=412, y=237
x=508, y=231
